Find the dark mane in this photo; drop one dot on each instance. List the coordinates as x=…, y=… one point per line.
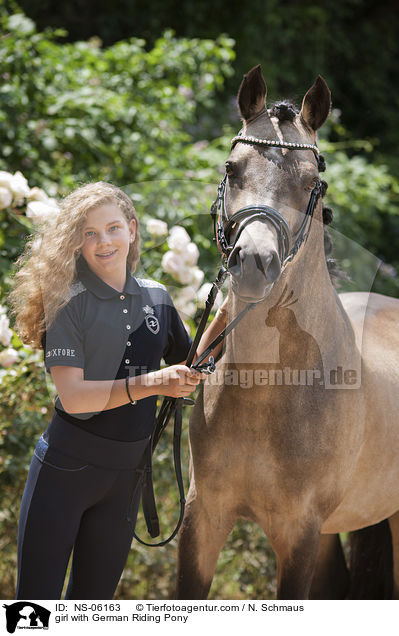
x=284, y=110
x=337, y=275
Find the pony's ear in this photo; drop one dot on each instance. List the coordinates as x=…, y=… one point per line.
x=251, y=96
x=316, y=104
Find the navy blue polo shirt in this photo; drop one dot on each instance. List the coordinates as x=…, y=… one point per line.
x=112, y=335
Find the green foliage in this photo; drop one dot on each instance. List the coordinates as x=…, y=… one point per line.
x=352, y=43
x=76, y=111
x=364, y=197
x=14, y=229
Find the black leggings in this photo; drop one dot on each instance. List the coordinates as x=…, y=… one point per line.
x=77, y=495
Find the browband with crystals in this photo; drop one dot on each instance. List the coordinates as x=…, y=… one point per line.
x=275, y=143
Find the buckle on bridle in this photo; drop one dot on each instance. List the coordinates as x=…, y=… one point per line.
x=208, y=367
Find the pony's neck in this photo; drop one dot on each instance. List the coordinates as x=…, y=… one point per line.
x=316, y=316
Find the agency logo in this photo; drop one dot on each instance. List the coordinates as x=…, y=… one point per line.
x=26, y=615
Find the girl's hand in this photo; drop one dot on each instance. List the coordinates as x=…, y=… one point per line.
x=176, y=381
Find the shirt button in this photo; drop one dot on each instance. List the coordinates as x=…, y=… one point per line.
x=127, y=361
x=122, y=297
x=125, y=311
x=128, y=327
x=128, y=344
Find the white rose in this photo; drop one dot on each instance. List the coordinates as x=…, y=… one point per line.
x=5, y=179
x=183, y=301
x=198, y=277
x=218, y=300
x=39, y=211
x=185, y=275
x=8, y=357
x=191, y=254
x=155, y=227
x=189, y=310
x=186, y=310
x=5, y=198
x=172, y=263
x=37, y=194
x=203, y=293
x=5, y=331
x=179, y=303
x=19, y=187
x=53, y=203
x=178, y=239
x=186, y=294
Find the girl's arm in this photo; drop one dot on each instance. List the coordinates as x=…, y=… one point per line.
x=78, y=395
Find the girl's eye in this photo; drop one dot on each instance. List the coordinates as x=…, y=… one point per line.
x=89, y=233
x=114, y=227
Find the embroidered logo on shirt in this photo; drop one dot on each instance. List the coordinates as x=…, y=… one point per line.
x=151, y=321
x=148, y=310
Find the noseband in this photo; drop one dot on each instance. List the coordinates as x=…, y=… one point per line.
x=288, y=244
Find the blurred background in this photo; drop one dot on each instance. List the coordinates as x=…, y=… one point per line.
x=143, y=94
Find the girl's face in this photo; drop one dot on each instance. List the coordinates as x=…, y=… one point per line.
x=107, y=237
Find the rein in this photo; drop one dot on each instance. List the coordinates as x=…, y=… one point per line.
x=173, y=407
x=288, y=247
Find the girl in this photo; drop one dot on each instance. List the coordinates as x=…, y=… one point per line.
x=103, y=333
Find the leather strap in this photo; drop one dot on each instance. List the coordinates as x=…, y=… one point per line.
x=148, y=497
x=173, y=406
x=146, y=477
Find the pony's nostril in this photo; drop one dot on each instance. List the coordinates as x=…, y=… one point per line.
x=234, y=262
x=273, y=269
x=269, y=265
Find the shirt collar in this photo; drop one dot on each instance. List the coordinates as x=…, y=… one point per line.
x=101, y=289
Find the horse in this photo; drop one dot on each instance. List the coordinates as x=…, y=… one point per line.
x=310, y=448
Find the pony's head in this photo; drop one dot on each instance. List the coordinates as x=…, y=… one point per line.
x=269, y=189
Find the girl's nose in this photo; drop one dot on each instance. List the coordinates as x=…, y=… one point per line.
x=103, y=237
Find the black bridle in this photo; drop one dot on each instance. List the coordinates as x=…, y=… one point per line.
x=288, y=244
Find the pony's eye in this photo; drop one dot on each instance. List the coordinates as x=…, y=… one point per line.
x=229, y=167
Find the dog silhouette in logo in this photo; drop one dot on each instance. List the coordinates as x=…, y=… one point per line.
x=26, y=614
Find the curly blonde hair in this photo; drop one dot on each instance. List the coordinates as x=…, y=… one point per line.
x=47, y=267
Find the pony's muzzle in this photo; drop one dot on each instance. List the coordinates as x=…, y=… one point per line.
x=254, y=262
x=242, y=263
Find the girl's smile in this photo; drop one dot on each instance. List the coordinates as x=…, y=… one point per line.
x=107, y=237
x=107, y=254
